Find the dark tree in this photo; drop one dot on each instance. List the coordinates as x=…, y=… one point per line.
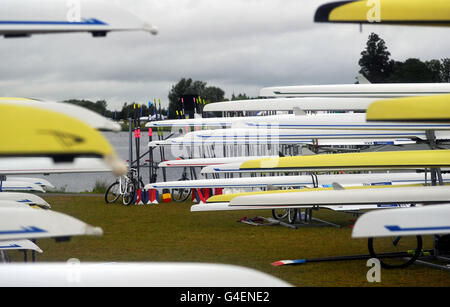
x=375, y=63
x=187, y=86
x=415, y=71
x=445, y=70
x=240, y=97
x=411, y=71
x=213, y=94
x=435, y=68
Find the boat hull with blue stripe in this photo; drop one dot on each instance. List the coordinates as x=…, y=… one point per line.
x=427, y=220
x=27, y=17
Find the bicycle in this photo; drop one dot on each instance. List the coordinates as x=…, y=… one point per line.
x=125, y=186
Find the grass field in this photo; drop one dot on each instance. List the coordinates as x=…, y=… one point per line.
x=170, y=232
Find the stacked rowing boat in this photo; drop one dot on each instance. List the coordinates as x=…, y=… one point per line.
x=402, y=113
x=43, y=137
x=58, y=138
x=414, y=182
x=345, y=131
x=426, y=110
x=61, y=138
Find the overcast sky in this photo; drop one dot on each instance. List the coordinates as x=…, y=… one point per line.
x=237, y=45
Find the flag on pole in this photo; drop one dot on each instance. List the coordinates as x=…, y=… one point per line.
x=160, y=115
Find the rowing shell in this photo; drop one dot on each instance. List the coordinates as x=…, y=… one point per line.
x=411, y=109
x=26, y=198
x=52, y=134
x=300, y=181
x=11, y=185
x=395, y=12
x=289, y=104
x=334, y=186
x=193, y=122
x=19, y=245
x=339, y=121
x=432, y=194
x=23, y=223
x=385, y=90
x=225, y=206
x=304, y=134
x=206, y=161
x=427, y=220
x=348, y=161
x=87, y=116
x=25, y=18
x=135, y=274
x=39, y=181
x=15, y=204
x=182, y=141
x=362, y=160
x=45, y=165
x=350, y=196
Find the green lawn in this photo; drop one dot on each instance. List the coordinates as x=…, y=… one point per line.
x=170, y=232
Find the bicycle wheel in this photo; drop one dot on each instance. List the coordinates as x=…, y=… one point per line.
x=410, y=245
x=180, y=194
x=279, y=214
x=112, y=193
x=128, y=196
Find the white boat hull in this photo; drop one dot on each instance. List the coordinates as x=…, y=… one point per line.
x=19, y=245
x=398, y=195
x=44, y=165
x=301, y=181
x=39, y=181
x=137, y=274
x=26, y=198
x=337, y=121
x=426, y=220
x=289, y=104
x=207, y=161
x=23, y=223
x=384, y=90
x=10, y=185
x=25, y=18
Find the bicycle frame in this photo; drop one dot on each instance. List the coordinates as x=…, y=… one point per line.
x=125, y=180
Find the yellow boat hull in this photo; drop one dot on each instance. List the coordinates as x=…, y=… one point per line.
x=411, y=12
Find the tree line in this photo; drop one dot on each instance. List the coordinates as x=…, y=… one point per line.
x=378, y=67
x=129, y=110
x=186, y=86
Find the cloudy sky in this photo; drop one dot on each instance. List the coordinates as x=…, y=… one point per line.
x=237, y=45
